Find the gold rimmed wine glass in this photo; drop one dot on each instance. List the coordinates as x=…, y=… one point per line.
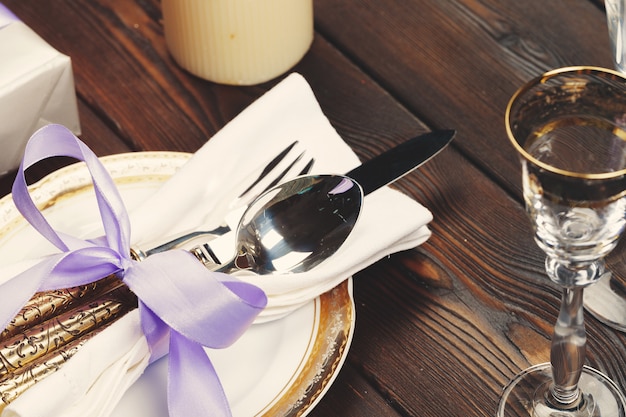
x=569, y=128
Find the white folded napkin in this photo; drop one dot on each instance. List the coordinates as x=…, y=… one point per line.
x=197, y=197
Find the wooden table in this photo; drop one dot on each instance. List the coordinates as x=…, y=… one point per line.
x=443, y=327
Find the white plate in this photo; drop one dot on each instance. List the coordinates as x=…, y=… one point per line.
x=281, y=368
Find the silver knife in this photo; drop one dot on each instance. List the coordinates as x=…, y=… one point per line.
x=400, y=160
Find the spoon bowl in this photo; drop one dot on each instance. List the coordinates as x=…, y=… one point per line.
x=294, y=226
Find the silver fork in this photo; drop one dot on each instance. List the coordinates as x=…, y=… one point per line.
x=271, y=174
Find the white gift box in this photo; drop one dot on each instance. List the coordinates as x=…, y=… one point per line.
x=36, y=88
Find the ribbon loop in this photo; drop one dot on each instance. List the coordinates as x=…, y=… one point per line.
x=178, y=297
x=112, y=211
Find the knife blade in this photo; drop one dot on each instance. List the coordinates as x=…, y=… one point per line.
x=398, y=161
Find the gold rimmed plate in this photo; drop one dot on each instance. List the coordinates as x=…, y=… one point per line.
x=280, y=368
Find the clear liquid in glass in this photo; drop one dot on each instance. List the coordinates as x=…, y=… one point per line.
x=576, y=231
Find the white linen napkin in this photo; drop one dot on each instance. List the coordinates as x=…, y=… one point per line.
x=197, y=197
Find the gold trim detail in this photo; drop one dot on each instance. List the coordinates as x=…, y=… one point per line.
x=542, y=79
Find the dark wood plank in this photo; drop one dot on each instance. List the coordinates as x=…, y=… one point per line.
x=599, y=4
x=456, y=63
x=351, y=395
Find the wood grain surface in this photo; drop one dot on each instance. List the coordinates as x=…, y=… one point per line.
x=440, y=328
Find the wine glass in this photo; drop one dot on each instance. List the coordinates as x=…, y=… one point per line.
x=569, y=128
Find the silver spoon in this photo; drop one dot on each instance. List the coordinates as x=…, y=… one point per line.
x=294, y=226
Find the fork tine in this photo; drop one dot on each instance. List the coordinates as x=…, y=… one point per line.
x=283, y=165
x=293, y=169
x=307, y=167
x=280, y=176
x=305, y=170
x=269, y=167
x=283, y=174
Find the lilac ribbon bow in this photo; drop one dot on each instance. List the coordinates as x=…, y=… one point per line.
x=6, y=16
x=177, y=295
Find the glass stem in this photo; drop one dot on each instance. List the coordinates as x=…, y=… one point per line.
x=567, y=353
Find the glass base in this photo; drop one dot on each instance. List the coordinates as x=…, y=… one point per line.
x=607, y=303
x=528, y=395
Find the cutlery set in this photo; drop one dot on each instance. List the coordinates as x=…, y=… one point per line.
x=331, y=205
x=310, y=217
x=370, y=176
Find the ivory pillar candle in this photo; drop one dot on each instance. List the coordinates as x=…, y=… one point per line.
x=238, y=42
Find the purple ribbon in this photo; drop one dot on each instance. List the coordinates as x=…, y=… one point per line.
x=6, y=16
x=178, y=297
